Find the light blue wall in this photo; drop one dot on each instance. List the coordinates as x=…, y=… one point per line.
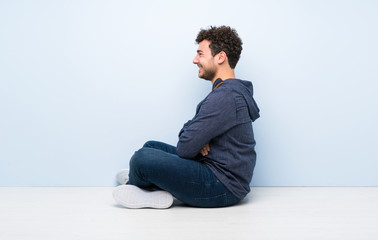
x=83, y=84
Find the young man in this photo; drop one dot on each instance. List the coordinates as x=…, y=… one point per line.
x=212, y=165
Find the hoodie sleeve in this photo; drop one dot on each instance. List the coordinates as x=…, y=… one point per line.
x=214, y=117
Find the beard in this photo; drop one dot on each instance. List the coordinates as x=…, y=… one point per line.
x=207, y=73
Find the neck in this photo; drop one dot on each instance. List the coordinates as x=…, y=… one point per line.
x=224, y=75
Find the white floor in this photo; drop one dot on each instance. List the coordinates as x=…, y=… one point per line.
x=267, y=213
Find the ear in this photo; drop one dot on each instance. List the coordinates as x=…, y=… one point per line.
x=221, y=57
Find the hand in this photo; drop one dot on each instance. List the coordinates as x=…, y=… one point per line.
x=205, y=150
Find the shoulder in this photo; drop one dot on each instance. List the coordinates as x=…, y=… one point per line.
x=221, y=94
x=219, y=99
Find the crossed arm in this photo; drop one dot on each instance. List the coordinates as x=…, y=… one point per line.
x=214, y=116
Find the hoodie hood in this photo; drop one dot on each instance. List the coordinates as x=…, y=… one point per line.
x=246, y=89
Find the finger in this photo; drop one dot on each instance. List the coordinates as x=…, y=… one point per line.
x=203, y=153
x=206, y=147
x=206, y=152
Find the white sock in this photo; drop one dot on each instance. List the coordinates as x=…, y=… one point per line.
x=123, y=176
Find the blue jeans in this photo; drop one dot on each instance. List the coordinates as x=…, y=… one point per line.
x=157, y=164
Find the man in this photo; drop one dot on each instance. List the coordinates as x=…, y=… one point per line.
x=212, y=165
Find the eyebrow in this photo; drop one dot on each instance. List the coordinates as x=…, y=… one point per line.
x=199, y=51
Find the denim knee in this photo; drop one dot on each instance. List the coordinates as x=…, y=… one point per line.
x=149, y=144
x=140, y=159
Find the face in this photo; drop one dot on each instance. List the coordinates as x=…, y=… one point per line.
x=205, y=61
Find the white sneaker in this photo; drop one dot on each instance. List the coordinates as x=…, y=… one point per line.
x=131, y=196
x=123, y=176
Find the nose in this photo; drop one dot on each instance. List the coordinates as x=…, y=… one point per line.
x=195, y=60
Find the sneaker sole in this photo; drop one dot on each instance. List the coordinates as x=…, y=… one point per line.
x=133, y=197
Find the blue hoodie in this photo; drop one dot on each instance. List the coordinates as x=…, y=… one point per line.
x=224, y=121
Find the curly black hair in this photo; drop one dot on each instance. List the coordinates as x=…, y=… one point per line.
x=225, y=39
